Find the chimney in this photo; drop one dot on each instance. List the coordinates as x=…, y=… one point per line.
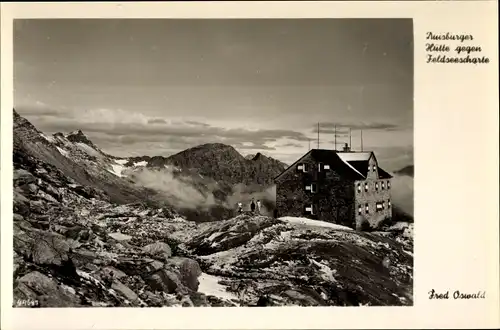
x=346, y=148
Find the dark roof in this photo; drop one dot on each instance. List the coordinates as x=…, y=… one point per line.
x=331, y=158
x=355, y=170
x=383, y=174
x=362, y=167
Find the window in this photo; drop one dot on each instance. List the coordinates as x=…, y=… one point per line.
x=383, y=185
x=380, y=206
x=360, y=209
x=389, y=204
x=376, y=186
x=388, y=184
x=302, y=167
x=313, y=187
x=373, y=168
x=366, y=209
x=359, y=187
x=309, y=209
x=366, y=186
x=323, y=167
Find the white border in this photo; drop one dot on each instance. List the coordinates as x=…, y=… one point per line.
x=456, y=188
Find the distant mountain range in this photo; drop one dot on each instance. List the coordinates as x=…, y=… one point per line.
x=211, y=171
x=407, y=170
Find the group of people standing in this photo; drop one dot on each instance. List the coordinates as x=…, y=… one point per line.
x=253, y=206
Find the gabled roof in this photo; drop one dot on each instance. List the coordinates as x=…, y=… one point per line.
x=331, y=158
x=351, y=165
x=355, y=156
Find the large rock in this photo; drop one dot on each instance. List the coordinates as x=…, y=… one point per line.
x=124, y=290
x=43, y=248
x=189, y=269
x=120, y=237
x=142, y=267
x=43, y=291
x=158, y=250
x=168, y=281
x=23, y=177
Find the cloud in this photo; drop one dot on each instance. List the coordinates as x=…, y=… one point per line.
x=290, y=144
x=157, y=121
x=116, y=129
x=343, y=128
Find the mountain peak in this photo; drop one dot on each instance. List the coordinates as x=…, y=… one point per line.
x=79, y=136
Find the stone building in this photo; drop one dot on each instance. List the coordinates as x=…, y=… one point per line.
x=342, y=187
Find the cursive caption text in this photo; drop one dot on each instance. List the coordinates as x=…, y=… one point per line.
x=457, y=294
x=453, y=48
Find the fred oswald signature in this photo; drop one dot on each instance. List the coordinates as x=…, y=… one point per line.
x=457, y=294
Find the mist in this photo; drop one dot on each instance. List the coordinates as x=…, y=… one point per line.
x=180, y=191
x=195, y=193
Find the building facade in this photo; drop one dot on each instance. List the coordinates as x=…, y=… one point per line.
x=342, y=187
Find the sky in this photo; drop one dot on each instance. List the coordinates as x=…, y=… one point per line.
x=156, y=87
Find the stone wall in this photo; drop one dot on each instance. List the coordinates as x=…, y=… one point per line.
x=371, y=197
x=332, y=202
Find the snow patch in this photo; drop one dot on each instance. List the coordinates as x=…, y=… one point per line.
x=143, y=163
x=62, y=151
x=121, y=161
x=50, y=139
x=327, y=272
x=88, y=149
x=315, y=223
x=117, y=170
x=210, y=286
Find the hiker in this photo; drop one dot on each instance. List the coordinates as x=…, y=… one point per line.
x=252, y=206
x=258, y=206
x=240, y=207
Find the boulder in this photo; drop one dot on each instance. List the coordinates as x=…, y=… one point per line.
x=168, y=281
x=43, y=291
x=124, y=291
x=189, y=269
x=23, y=177
x=158, y=250
x=44, y=248
x=120, y=237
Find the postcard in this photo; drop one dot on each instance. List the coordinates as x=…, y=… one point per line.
x=332, y=164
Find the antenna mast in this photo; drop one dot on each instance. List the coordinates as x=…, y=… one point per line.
x=335, y=132
x=318, y=135
x=350, y=140
x=361, y=140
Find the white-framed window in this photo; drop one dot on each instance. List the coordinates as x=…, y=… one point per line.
x=366, y=186
x=380, y=206
x=367, y=210
x=302, y=167
x=360, y=209
x=389, y=204
x=359, y=187
x=376, y=186
x=383, y=185
x=313, y=187
x=323, y=167
x=310, y=209
x=388, y=184
x=373, y=168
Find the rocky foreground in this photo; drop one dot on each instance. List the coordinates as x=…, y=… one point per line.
x=72, y=247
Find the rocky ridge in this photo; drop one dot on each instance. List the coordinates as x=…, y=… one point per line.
x=81, y=241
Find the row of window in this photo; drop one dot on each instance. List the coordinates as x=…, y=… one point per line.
x=308, y=167
x=379, y=207
x=381, y=184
